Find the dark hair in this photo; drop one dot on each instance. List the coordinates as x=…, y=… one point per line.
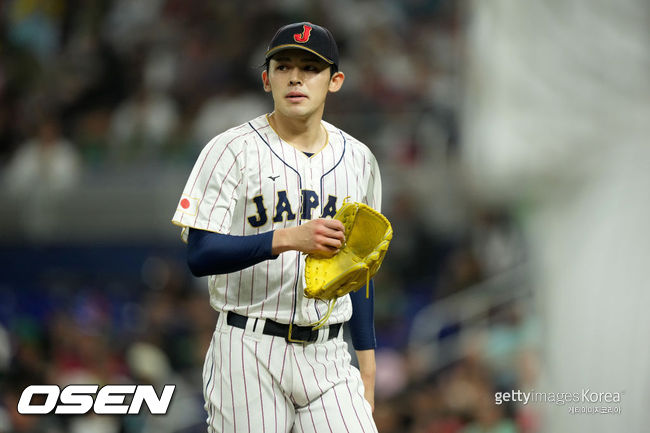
x=333, y=68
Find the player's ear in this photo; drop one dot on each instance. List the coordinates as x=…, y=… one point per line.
x=265, y=81
x=336, y=81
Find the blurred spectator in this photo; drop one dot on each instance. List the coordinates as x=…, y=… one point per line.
x=88, y=74
x=126, y=21
x=497, y=241
x=92, y=137
x=39, y=175
x=148, y=364
x=489, y=418
x=225, y=110
x=35, y=26
x=141, y=125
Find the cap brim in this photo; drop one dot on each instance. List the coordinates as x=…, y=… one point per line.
x=279, y=48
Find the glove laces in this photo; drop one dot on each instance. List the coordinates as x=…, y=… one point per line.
x=319, y=324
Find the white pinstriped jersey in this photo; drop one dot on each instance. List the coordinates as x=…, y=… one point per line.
x=248, y=181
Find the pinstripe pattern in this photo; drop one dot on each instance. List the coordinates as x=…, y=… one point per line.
x=239, y=182
x=272, y=386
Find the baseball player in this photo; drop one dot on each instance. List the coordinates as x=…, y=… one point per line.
x=260, y=196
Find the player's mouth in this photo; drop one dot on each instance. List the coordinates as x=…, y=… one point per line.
x=296, y=96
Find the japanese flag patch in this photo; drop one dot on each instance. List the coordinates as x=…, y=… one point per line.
x=188, y=205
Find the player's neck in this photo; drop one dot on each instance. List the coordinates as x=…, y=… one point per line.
x=306, y=135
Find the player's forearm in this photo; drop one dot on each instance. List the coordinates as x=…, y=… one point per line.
x=282, y=241
x=288, y=239
x=367, y=365
x=368, y=370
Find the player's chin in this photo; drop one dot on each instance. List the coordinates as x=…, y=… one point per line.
x=301, y=109
x=296, y=112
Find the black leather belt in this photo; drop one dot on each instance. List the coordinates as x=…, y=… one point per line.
x=291, y=333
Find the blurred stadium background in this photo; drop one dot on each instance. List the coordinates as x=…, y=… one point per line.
x=104, y=106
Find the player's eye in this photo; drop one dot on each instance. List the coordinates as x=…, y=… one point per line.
x=281, y=68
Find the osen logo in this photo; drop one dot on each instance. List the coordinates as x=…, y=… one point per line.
x=80, y=399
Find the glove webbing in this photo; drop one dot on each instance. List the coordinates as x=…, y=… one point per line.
x=320, y=323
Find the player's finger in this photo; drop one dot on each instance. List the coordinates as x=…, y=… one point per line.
x=335, y=234
x=333, y=224
x=332, y=229
x=335, y=243
x=331, y=242
x=324, y=251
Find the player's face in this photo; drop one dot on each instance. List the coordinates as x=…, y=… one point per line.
x=299, y=82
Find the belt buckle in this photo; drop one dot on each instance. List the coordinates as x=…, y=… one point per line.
x=290, y=338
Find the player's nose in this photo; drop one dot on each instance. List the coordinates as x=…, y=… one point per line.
x=295, y=78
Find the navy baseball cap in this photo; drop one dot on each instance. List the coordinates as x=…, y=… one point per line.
x=305, y=36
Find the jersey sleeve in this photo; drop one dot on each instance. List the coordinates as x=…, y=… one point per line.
x=210, y=193
x=373, y=191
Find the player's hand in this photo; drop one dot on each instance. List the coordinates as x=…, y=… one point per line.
x=320, y=236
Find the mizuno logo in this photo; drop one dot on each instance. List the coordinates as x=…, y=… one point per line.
x=274, y=177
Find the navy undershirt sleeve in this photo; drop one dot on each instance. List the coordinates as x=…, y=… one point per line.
x=210, y=253
x=362, y=322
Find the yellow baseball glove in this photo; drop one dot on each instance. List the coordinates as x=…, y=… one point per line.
x=367, y=236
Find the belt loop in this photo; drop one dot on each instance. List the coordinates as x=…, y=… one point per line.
x=250, y=324
x=323, y=334
x=258, y=326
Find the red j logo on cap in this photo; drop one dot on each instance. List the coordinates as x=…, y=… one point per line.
x=304, y=36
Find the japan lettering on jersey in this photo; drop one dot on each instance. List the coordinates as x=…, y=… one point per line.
x=248, y=181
